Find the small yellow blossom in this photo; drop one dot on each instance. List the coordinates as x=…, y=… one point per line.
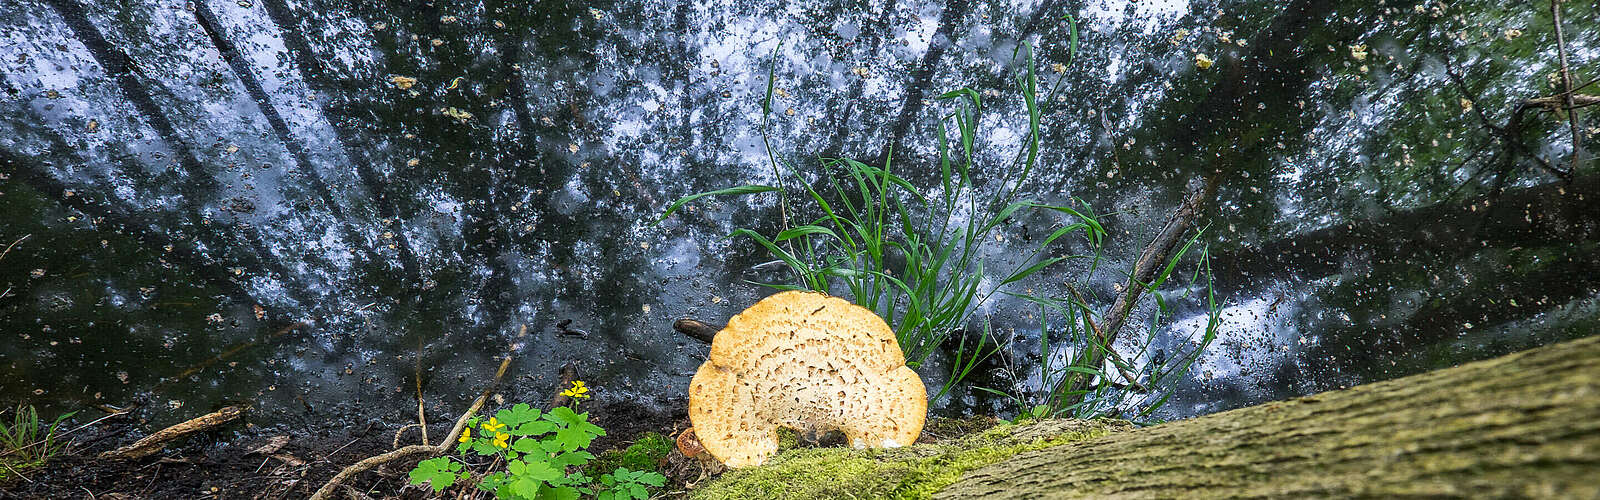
x=501, y=440
x=493, y=425
x=577, y=391
x=1203, y=62
x=1513, y=34
x=466, y=434
x=1359, y=52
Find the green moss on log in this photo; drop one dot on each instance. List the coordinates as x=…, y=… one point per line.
x=1525, y=425
x=909, y=472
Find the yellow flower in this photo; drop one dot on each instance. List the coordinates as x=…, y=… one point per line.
x=493, y=425
x=1202, y=62
x=577, y=390
x=500, y=440
x=466, y=434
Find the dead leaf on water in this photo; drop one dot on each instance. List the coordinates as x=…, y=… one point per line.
x=402, y=82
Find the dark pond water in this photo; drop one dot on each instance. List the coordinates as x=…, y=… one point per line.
x=317, y=207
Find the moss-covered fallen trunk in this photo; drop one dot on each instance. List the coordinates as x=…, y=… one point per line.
x=1523, y=425
x=909, y=472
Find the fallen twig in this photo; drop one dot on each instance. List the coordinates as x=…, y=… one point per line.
x=415, y=450
x=154, y=442
x=1151, y=261
x=696, y=329
x=14, y=243
x=1117, y=360
x=401, y=432
x=569, y=373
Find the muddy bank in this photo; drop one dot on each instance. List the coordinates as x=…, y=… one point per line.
x=244, y=461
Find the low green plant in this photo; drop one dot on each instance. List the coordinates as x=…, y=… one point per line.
x=627, y=484
x=645, y=453
x=1078, y=384
x=27, y=441
x=542, y=453
x=918, y=261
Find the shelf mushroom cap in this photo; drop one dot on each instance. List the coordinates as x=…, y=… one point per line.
x=809, y=362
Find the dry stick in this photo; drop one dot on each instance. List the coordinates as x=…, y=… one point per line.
x=697, y=330
x=155, y=442
x=14, y=243
x=1566, y=80
x=1150, y=262
x=1116, y=358
x=400, y=432
x=569, y=373
x=369, y=463
x=422, y=419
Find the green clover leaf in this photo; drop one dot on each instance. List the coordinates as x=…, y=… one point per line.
x=440, y=473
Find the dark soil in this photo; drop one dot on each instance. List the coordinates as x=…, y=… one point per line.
x=206, y=466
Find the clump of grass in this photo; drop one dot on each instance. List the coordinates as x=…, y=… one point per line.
x=918, y=261
x=27, y=441
x=1073, y=384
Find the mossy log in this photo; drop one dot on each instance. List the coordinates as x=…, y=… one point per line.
x=1523, y=425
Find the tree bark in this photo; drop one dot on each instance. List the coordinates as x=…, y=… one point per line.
x=1523, y=425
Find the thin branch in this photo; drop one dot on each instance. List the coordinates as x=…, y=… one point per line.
x=415, y=450
x=14, y=243
x=1151, y=261
x=1504, y=134
x=1117, y=360
x=327, y=489
x=1566, y=80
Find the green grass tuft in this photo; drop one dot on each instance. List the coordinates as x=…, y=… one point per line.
x=27, y=441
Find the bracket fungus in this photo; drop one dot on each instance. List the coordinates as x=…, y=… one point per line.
x=809, y=362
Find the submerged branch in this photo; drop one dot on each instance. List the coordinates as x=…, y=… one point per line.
x=1566, y=81
x=1151, y=261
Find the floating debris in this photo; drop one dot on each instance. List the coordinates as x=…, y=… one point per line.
x=460, y=115
x=402, y=82
x=1358, y=52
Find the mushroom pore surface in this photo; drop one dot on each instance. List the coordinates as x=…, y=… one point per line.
x=809, y=362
